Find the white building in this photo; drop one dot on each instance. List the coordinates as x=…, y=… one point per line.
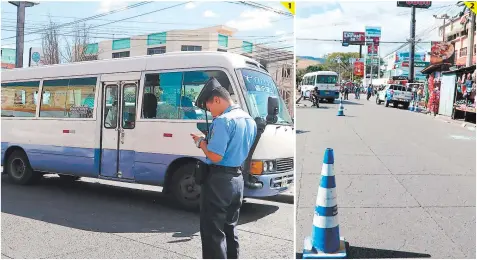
x=218, y=38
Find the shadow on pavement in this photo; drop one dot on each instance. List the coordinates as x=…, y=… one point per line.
x=348, y=102
x=105, y=208
x=302, y=132
x=373, y=253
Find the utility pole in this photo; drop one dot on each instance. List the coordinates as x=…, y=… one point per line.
x=413, y=45
x=371, y=57
x=443, y=17
x=21, y=5
x=470, y=47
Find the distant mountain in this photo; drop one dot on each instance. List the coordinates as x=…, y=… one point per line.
x=320, y=60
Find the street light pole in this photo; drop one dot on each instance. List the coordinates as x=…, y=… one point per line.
x=21, y=5
x=371, y=61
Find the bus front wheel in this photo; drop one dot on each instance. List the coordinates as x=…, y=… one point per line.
x=19, y=169
x=184, y=189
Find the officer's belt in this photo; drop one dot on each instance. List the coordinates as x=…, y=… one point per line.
x=219, y=169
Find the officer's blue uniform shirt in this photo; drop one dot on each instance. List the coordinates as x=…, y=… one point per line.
x=231, y=136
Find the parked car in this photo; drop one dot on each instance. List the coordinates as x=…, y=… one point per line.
x=395, y=94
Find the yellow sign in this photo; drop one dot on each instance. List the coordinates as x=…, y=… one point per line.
x=290, y=6
x=472, y=6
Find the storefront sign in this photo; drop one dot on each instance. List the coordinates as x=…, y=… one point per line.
x=404, y=56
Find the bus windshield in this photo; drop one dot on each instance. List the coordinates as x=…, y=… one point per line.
x=326, y=79
x=259, y=87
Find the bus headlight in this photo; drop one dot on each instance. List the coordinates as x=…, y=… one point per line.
x=258, y=167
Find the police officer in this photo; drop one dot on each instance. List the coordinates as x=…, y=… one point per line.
x=230, y=138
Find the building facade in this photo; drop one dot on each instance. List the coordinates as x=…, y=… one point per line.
x=397, y=64
x=218, y=38
x=456, y=32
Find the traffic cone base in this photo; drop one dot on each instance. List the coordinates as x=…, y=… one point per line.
x=310, y=253
x=325, y=241
x=340, y=109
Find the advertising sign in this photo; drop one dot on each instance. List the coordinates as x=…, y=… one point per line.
x=404, y=56
x=353, y=60
x=353, y=38
x=442, y=52
x=358, y=68
x=416, y=4
x=36, y=57
x=373, y=31
x=373, y=50
x=8, y=58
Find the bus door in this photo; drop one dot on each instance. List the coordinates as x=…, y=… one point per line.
x=119, y=118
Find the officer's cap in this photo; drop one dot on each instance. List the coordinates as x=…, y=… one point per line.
x=207, y=91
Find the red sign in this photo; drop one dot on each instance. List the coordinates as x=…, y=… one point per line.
x=359, y=68
x=353, y=38
x=405, y=64
x=372, y=39
x=373, y=50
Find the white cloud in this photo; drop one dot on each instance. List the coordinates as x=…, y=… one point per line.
x=190, y=6
x=253, y=20
x=354, y=16
x=108, y=5
x=209, y=13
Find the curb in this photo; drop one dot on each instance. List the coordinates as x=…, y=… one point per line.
x=445, y=119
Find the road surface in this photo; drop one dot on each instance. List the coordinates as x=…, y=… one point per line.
x=101, y=219
x=405, y=181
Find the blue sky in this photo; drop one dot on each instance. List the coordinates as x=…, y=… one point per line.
x=253, y=24
x=328, y=20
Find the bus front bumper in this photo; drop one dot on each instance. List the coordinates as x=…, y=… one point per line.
x=328, y=94
x=273, y=184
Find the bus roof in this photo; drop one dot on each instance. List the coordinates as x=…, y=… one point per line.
x=133, y=64
x=320, y=73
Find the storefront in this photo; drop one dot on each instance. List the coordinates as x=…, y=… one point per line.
x=432, y=86
x=457, y=98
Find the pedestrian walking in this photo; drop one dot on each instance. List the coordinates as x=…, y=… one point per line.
x=228, y=143
x=346, y=92
x=358, y=92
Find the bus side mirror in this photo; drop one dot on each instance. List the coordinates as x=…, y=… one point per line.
x=272, y=110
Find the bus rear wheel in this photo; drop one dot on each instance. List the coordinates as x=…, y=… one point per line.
x=184, y=189
x=19, y=169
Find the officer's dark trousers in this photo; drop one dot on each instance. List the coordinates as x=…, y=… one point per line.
x=221, y=199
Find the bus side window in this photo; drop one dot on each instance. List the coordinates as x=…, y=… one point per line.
x=129, y=106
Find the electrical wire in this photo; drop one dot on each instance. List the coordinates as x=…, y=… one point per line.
x=89, y=18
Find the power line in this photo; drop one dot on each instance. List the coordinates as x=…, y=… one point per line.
x=89, y=18
x=127, y=18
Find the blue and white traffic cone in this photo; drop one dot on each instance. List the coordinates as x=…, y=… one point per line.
x=341, y=109
x=325, y=241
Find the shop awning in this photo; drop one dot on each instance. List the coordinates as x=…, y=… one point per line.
x=436, y=67
x=461, y=70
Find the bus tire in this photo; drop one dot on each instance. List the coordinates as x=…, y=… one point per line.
x=68, y=178
x=19, y=169
x=331, y=100
x=184, y=189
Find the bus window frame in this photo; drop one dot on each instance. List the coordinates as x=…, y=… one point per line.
x=231, y=76
x=96, y=97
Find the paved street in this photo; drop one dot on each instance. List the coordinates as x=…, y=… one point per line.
x=95, y=219
x=405, y=181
